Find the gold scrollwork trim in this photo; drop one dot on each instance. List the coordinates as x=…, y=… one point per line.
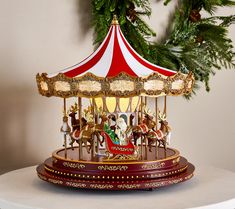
x=154, y=166
x=121, y=157
x=77, y=185
x=74, y=165
x=128, y=186
x=155, y=184
x=101, y=186
x=46, y=85
x=112, y=167
x=175, y=181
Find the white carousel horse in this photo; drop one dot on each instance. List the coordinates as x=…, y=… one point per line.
x=65, y=130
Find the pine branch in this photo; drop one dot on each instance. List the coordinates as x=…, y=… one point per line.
x=202, y=51
x=208, y=5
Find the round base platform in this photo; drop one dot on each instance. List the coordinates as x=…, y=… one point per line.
x=99, y=173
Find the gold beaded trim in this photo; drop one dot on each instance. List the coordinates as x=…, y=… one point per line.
x=126, y=177
x=123, y=185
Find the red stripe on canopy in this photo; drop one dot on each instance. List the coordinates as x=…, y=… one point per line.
x=118, y=62
x=85, y=67
x=143, y=62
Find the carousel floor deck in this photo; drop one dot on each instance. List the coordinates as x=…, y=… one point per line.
x=152, y=171
x=73, y=154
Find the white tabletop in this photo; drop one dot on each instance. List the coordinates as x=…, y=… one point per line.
x=211, y=188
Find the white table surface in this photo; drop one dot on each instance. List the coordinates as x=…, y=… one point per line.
x=210, y=188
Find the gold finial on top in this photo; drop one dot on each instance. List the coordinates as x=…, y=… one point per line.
x=115, y=20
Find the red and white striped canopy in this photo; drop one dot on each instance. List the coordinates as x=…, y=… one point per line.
x=115, y=69
x=114, y=55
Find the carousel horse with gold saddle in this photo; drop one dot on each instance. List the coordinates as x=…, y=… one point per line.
x=160, y=136
x=141, y=130
x=74, y=121
x=89, y=130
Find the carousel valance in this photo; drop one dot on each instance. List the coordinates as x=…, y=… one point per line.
x=122, y=85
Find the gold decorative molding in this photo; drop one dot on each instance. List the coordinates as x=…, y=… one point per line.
x=74, y=165
x=122, y=85
x=78, y=185
x=128, y=186
x=153, y=166
x=112, y=167
x=155, y=184
x=101, y=186
x=175, y=181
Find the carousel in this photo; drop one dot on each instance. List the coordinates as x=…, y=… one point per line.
x=115, y=131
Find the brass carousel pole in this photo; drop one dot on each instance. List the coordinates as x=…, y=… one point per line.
x=93, y=108
x=96, y=143
x=80, y=124
x=65, y=137
x=141, y=108
x=165, y=105
x=130, y=110
x=164, y=111
x=138, y=112
x=156, y=112
x=135, y=122
x=93, y=141
x=141, y=119
x=117, y=109
x=145, y=138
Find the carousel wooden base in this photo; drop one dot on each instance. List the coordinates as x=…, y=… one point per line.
x=152, y=171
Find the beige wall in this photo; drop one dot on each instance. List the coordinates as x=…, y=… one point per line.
x=48, y=35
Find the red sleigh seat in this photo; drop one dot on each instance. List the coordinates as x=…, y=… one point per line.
x=116, y=149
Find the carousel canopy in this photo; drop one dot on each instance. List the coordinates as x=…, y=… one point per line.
x=114, y=69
